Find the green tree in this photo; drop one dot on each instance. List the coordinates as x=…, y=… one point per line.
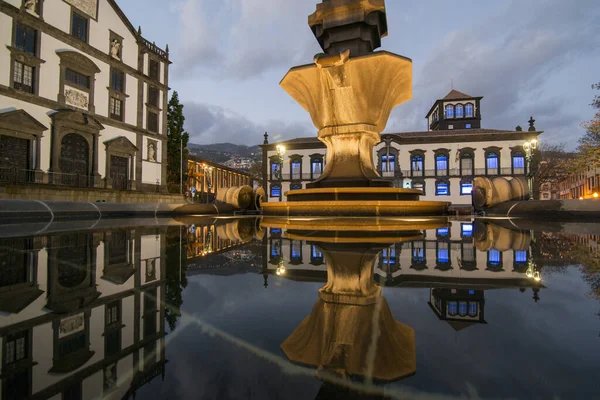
x=176, y=134
x=518, y=128
x=589, y=144
x=175, y=278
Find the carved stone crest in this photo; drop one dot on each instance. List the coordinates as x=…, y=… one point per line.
x=76, y=98
x=70, y=325
x=89, y=7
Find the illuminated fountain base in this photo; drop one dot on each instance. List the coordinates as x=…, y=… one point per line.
x=355, y=201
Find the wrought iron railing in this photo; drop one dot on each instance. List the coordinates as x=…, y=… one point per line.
x=21, y=176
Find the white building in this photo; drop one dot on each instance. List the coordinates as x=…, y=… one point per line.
x=82, y=314
x=440, y=162
x=83, y=97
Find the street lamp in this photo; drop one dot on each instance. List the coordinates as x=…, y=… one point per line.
x=208, y=175
x=530, y=146
x=280, y=153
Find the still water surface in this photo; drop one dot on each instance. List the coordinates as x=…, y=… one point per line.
x=237, y=309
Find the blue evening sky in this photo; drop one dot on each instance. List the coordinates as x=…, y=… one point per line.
x=526, y=57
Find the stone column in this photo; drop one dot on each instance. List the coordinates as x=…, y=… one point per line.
x=96, y=178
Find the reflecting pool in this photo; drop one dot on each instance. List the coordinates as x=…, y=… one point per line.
x=244, y=308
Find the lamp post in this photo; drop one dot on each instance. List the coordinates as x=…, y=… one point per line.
x=530, y=146
x=208, y=175
x=280, y=153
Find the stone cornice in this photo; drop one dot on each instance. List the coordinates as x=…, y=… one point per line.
x=64, y=37
x=54, y=105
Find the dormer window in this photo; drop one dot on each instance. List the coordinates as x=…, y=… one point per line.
x=459, y=111
x=469, y=110
x=449, y=111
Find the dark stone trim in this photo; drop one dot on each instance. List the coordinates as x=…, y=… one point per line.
x=493, y=150
x=83, y=65
x=18, y=55
x=514, y=151
x=120, y=147
x=65, y=37
x=443, y=180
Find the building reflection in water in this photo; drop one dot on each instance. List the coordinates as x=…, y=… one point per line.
x=81, y=314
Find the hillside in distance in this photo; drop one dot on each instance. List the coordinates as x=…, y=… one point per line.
x=222, y=152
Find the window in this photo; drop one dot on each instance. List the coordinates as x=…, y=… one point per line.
x=466, y=188
x=473, y=309
x=117, y=80
x=316, y=256
x=113, y=342
x=518, y=163
x=154, y=69
x=491, y=163
x=520, y=256
x=79, y=27
x=296, y=169
x=275, y=248
x=441, y=164
x=462, y=308
x=296, y=250
x=452, y=308
x=443, y=253
x=450, y=126
x=466, y=230
x=417, y=165
x=467, y=126
x=112, y=313
x=449, y=111
x=494, y=257
x=153, y=96
x=443, y=232
x=115, y=106
x=23, y=77
x=75, y=78
x=316, y=168
x=296, y=186
x=26, y=39
x=275, y=170
x=16, y=348
x=388, y=164
x=466, y=164
x=442, y=189
x=546, y=196
x=388, y=255
x=419, y=186
x=469, y=110
x=275, y=191
x=152, y=122
x=418, y=253
x=459, y=111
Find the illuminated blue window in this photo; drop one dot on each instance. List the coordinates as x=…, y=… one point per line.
x=418, y=253
x=473, y=308
x=296, y=169
x=275, y=191
x=471, y=291
x=316, y=253
x=443, y=253
x=275, y=249
x=459, y=111
x=462, y=308
x=388, y=164
x=442, y=189
x=296, y=250
x=452, y=308
x=468, y=126
x=275, y=170
x=449, y=111
x=466, y=230
x=521, y=256
x=518, y=160
x=389, y=255
x=469, y=110
x=296, y=186
x=275, y=231
x=441, y=162
x=494, y=257
x=466, y=188
x=443, y=232
x=492, y=161
x=417, y=163
x=317, y=168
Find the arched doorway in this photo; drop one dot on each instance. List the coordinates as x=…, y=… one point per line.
x=74, y=158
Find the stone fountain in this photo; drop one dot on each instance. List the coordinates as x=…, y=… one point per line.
x=349, y=93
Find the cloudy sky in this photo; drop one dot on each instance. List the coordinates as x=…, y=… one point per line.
x=526, y=57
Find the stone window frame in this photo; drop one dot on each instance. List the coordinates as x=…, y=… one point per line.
x=80, y=63
x=316, y=261
x=120, y=147
x=456, y=107
x=83, y=15
x=493, y=150
x=153, y=58
x=154, y=107
x=441, y=152
x=273, y=185
x=421, y=181
x=148, y=113
x=296, y=260
x=472, y=108
x=514, y=151
x=40, y=8
x=447, y=265
x=296, y=158
x=383, y=152
x=468, y=265
x=34, y=132
x=464, y=153
x=76, y=121
x=118, y=95
x=17, y=55
x=274, y=160
x=445, y=180
x=521, y=267
x=463, y=180
x=422, y=265
x=115, y=36
x=25, y=364
x=490, y=266
x=413, y=154
x=80, y=356
x=116, y=326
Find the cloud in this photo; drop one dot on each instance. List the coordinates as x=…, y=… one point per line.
x=241, y=39
x=213, y=124
x=510, y=59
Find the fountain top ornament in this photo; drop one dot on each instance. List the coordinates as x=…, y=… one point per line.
x=349, y=92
